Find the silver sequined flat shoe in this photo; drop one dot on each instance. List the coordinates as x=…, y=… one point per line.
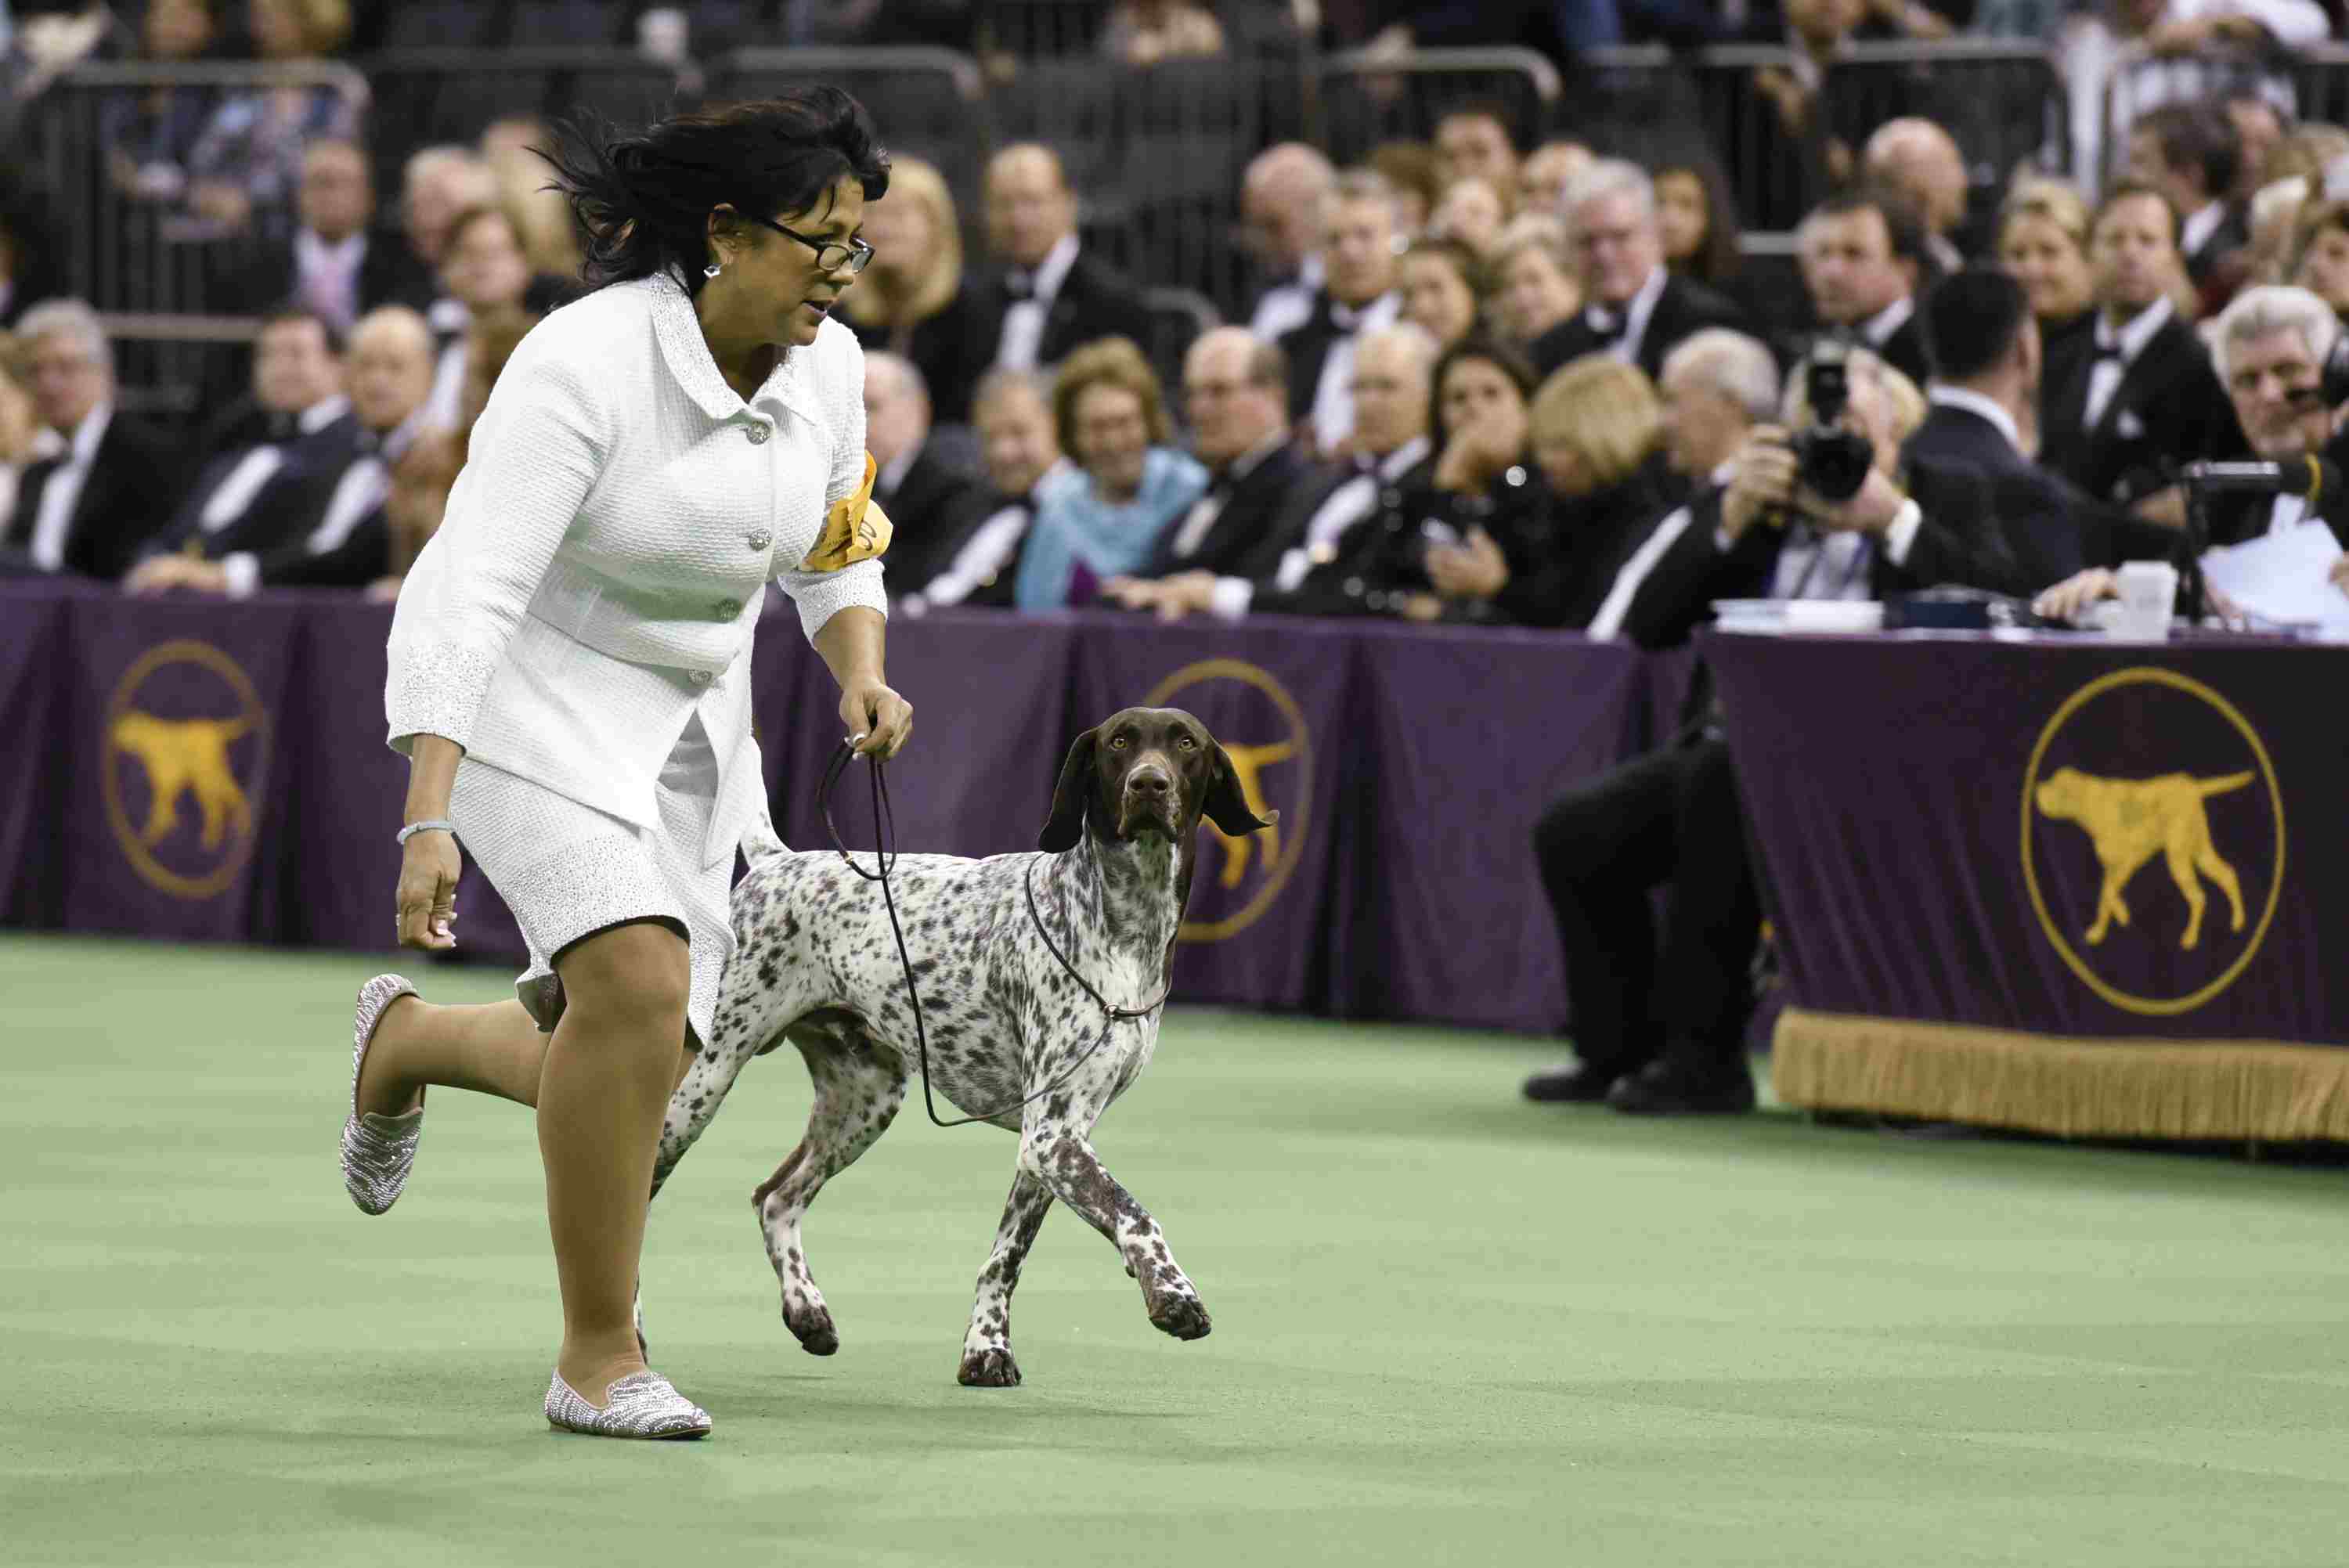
x=642, y=1405
x=377, y=1151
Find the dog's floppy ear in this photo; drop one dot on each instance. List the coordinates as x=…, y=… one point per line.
x=1070, y=796
x=1226, y=806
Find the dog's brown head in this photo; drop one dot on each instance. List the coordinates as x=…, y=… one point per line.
x=1147, y=770
x=2059, y=793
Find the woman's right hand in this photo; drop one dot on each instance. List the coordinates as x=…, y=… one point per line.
x=427, y=901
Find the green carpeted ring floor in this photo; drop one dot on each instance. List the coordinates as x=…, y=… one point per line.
x=1449, y=1326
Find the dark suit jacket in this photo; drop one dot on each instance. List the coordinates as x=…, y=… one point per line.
x=285, y=507
x=1685, y=308
x=1095, y=300
x=1307, y=348
x=2170, y=398
x=1251, y=531
x=1377, y=560
x=1904, y=351
x=2233, y=233
x=945, y=349
x=127, y=497
x=934, y=510
x=1563, y=556
x=2045, y=519
x=390, y=273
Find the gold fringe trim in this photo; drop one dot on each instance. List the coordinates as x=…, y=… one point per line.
x=2069, y=1087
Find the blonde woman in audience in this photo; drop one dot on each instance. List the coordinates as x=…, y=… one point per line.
x=1597, y=437
x=2043, y=239
x=911, y=301
x=2319, y=262
x=1443, y=284
x=1472, y=212
x=541, y=217
x=1535, y=287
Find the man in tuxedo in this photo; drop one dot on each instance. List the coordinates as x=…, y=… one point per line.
x=1920, y=160
x=932, y=505
x=1358, y=295
x=1236, y=397
x=2190, y=153
x=2139, y=394
x=1051, y=296
x=1660, y=1029
x=344, y=539
x=1863, y=259
x=1021, y=446
x=1342, y=521
x=1282, y=199
x=87, y=509
x=333, y=267
x=1984, y=396
x=252, y=496
x=1638, y=311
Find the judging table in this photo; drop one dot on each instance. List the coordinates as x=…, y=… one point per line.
x=2063, y=884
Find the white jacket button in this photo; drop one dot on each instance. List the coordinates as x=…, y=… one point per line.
x=727, y=608
x=761, y=540
x=758, y=433
x=699, y=677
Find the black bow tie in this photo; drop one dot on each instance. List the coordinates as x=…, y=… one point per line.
x=2112, y=351
x=1019, y=285
x=281, y=427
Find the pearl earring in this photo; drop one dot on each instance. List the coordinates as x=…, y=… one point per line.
x=712, y=270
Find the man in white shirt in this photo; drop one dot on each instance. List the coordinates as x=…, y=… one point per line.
x=2190, y=152
x=1862, y=255
x=1338, y=515
x=1012, y=410
x=87, y=511
x=932, y=505
x=1920, y=160
x=1637, y=312
x=1052, y=296
x=1358, y=295
x=344, y=541
x=1282, y=196
x=1235, y=399
x=1717, y=386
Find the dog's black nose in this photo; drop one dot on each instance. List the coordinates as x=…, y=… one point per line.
x=1149, y=781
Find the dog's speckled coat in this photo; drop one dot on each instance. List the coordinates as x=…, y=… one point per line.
x=815, y=963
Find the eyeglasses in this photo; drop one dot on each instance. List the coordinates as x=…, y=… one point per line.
x=831, y=255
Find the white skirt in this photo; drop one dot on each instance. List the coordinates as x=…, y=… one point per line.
x=568, y=870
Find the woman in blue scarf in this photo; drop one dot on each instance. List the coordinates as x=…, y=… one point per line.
x=1102, y=519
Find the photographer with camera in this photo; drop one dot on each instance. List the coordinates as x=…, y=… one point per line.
x=1819, y=509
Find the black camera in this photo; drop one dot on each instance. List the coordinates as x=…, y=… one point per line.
x=1832, y=461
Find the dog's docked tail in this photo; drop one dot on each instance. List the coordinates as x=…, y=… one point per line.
x=2206, y=787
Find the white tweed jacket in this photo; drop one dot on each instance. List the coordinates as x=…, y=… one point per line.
x=599, y=572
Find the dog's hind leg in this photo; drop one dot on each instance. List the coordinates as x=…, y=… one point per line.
x=987, y=1360
x=2190, y=888
x=858, y=1087
x=1067, y=1164
x=2206, y=861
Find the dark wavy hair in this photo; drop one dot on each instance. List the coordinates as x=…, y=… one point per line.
x=1475, y=346
x=642, y=199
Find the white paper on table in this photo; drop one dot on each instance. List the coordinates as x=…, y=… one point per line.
x=2282, y=576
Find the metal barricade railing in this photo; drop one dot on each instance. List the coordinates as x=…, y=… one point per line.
x=1361, y=98
x=425, y=96
x=931, y=103
x=133, y=244
x=171, y=367
x=2139, y=82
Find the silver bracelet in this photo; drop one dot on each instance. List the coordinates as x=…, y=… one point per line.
x=436, y=825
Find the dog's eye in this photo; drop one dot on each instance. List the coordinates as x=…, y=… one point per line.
x=1186, y=744
x=1117, y=743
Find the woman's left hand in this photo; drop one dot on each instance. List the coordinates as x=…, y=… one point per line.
x=1477, y=570
x=879, y=721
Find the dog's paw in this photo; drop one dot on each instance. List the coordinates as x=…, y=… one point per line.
x=1180, y=1313
x=989, y=1368
x=811, y=1324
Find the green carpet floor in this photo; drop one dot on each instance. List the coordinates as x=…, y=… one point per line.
x=1449, y=1326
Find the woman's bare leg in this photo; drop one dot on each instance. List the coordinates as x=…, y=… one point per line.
x=493, y=1050
x=605, y=1083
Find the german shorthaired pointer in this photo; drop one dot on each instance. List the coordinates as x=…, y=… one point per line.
x=816, y=964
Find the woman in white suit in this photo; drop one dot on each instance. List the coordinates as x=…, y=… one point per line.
x=569, y=671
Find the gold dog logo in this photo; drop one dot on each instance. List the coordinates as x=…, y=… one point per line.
x=2132, y=817
x=1239, y=701
x=192, y=828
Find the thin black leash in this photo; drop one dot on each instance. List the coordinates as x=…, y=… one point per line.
x=885, y=861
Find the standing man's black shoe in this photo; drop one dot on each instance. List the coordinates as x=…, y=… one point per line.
x=1581, y=1083
x=1668, y=1088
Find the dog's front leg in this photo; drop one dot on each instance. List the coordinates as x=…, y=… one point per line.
x=1062, y=1158
x=987, y=1361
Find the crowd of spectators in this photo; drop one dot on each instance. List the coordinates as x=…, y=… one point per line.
x=1476, y=381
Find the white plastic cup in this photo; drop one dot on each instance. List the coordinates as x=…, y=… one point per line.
x=2149, y=598
x=662, y=35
